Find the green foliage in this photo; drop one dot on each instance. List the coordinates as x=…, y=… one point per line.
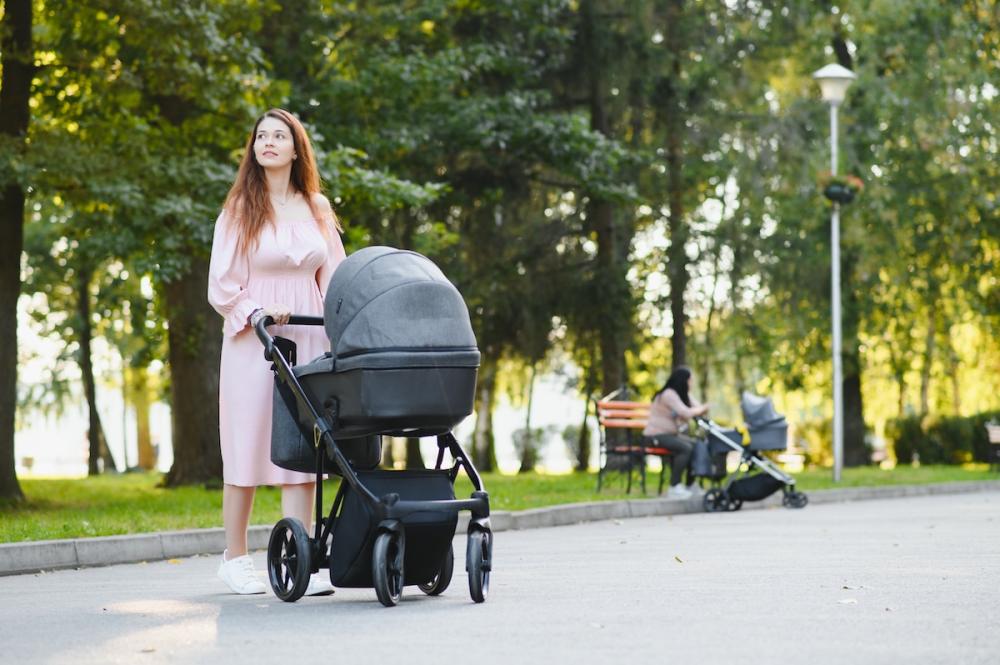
x=469, y=131
x=943, y=440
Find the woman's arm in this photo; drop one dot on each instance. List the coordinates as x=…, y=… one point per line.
x=228, y=274
x=683, y=411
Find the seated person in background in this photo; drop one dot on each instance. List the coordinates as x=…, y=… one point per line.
x=669, y=414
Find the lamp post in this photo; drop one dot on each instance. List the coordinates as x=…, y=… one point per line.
x=833, y=83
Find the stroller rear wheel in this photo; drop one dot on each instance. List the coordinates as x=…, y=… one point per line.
x=734, y=505
x=443, y=578
x=289, y=559
x=477, y=562
x=387, y=568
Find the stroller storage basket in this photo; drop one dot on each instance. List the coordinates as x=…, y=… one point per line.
x=427, y=534
x=754, y=488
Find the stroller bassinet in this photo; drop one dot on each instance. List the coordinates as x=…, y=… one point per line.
x=403, y=357
x=768, y=429
x=403, y=362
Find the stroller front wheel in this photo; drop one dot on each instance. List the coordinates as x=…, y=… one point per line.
x=387, y=568
x=795, y=499
x=289, y=559
x=477, y=562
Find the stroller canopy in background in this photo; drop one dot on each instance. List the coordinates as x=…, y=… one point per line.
x=768, y=428
x=759, y=411
x=391, y=307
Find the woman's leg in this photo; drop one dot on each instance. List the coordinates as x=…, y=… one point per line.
x=297, y=501
x=237, y=502
x=681, y=447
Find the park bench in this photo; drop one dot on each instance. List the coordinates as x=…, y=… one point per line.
x=623, y=447
x=993, y=437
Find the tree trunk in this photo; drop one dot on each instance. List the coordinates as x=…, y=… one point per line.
x=612, y=286
x=529, y=455
x=388, y=460
x=195, y=345
x=583, y=443
x=956, y=385
x=483, y=445
x=414, y=460
x=704, y=364
x=899, y=375
x=613, y=292
x=677, y=229
x=99, y=458
x=856, y=452
x=141, y=403
x=17, y=56
x=925, y=371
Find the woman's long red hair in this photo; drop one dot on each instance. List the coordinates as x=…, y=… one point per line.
x=248, y=203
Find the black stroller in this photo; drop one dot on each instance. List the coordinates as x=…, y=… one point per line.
x=403, y=362
x=757, y=477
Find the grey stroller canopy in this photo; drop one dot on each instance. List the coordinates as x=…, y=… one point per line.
x=387, y=307
x=768, y=428
x=759, y=411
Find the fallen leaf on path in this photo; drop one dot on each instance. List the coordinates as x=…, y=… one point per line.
x=677, y=559
x=848, y=601
x=173, y=560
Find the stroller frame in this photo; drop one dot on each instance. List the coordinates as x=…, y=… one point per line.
x=718, y=499
x=293, y=556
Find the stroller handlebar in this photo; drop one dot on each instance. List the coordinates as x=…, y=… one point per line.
x=260, y=327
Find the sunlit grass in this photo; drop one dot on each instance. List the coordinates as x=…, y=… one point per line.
x=135, y=503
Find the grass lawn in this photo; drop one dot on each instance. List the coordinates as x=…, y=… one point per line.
x=134, y=503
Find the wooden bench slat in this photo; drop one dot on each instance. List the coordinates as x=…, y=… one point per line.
x=618, y=413
x=623, y=424
x=624, y=405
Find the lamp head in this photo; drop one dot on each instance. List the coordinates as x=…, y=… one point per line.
x=833, y=82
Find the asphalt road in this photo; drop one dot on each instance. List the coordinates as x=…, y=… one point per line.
x=911, y=580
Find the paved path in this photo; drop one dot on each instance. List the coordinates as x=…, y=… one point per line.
x=910, y=580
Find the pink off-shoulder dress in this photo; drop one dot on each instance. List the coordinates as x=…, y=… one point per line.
x=291, y=266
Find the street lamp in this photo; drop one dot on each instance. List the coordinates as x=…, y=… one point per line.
x=833, y=83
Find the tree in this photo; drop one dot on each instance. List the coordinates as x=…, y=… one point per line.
x=17, y=54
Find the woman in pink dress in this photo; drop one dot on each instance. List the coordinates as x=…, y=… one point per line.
x=276, y=245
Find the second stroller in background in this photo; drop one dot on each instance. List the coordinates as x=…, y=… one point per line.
x=756, y=477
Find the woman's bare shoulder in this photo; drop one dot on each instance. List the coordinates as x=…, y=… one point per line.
x=319, y=199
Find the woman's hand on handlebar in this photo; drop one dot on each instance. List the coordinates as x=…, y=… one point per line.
x=279, y=313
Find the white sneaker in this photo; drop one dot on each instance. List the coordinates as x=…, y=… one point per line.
x=695, y=489
x=319, y=585
x=240, y=576
x=678, y=491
